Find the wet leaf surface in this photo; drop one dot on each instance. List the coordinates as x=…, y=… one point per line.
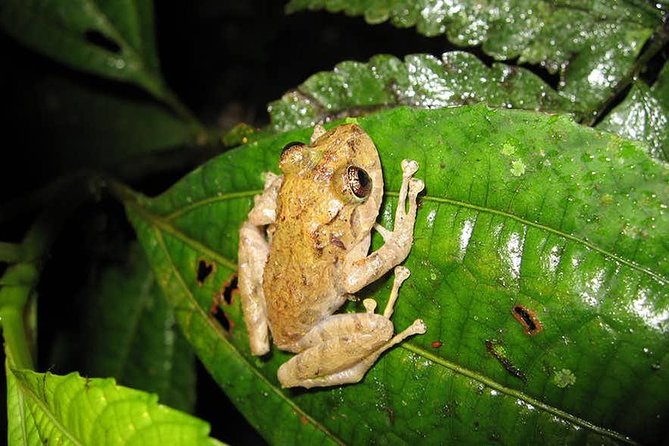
x=591, y=44
x=421, y=81
x=521, y=209
x=644, y=116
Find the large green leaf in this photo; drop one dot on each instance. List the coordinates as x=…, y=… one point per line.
x=521, y=209
x=421, y=81
x=107, y=37
x=644, y=115
x=130, y=334
x=71, y=410
x=592, y=44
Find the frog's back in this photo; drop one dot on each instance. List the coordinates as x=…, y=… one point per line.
x=299, y=283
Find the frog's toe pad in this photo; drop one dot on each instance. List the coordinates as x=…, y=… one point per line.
x=409, y=167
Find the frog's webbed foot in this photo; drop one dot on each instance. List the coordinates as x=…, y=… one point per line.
x=343, y=347
x=397, y=243
x=252, y=254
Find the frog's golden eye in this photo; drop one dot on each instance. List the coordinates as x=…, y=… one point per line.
x=358, y=181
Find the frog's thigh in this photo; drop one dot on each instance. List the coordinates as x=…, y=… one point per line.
x=252, y=255
x=253, y=252
x=333, y=349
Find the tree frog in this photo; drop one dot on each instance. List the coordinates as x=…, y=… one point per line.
x=304, y=251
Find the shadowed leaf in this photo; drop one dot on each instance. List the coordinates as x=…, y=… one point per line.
x=114, y=39
x=130, y=334
x=644, y=116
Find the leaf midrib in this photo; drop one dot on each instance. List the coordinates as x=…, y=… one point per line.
x=46, y=410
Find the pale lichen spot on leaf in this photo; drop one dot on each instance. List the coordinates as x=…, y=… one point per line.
x=564, y=378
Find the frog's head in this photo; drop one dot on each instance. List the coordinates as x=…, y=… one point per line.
x=345, y=168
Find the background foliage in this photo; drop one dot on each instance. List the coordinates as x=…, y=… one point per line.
x=110, y=102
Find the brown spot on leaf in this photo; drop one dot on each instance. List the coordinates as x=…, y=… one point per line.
x=528, y=319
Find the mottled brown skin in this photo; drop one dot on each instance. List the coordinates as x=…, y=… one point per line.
x=304, y=250
x=318, y=224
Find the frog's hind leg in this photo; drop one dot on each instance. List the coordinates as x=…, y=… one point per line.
x=252, y=254
x=342, y=348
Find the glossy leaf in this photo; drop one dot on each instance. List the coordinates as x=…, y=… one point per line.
x=130, y=334
x=421, y=81
x=74, y=410
x=523, y=213
x=592, y=44
x=111, y=38
x=644, y=116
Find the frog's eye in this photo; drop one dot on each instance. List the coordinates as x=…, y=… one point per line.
x=290, y=145
x=358, y=181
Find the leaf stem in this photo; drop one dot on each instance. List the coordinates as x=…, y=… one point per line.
x=16, y=342
x=657, y=42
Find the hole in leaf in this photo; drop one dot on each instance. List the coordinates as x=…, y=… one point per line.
x=229, y=288
x=222, y=319
x=204, y=269
x=224, y=295
x=497, y=350
x=100, y=40
x=528, y=319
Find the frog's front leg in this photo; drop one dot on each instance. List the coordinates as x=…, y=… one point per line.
x=360, y=270
x=252, y=255
x=343, y=347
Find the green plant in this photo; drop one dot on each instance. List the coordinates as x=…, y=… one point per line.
x=541, y=259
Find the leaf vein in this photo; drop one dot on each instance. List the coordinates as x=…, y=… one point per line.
x=514, y=393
